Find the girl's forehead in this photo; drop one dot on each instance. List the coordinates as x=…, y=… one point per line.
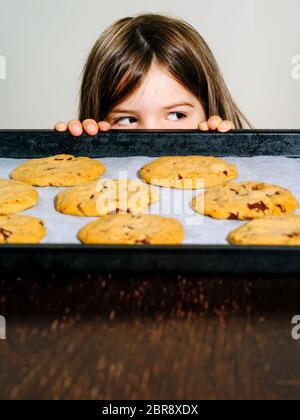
x=159, y=88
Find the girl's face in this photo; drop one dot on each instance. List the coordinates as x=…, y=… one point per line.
x=160, y=102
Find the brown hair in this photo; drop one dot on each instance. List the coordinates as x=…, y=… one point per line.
x=124, y=53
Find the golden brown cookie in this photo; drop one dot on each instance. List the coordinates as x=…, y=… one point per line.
x=58, y=171
x=16, y=197
x=128, y=229
x=284, y=230
x=21, y=229
x=188, y=172
x=103, y=197
x=245, y=201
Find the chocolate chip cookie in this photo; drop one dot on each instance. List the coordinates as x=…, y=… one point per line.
x=58, y=171
x=268, y=231
x=16, y=197
x=21, y=229
x=102, y=197
x=128, y=229
x=188, y=172
x=245, y=201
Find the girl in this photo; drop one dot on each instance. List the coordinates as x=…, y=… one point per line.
x=153, y=72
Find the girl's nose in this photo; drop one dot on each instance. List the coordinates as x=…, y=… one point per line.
x=151, y=124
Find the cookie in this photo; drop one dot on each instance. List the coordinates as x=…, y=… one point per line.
x=128, y=229
x=188, y=172
x=284, y=230
x=245, y=201
x=16, y=196
x=58, y=171
x=21, y=229
x=103, y=197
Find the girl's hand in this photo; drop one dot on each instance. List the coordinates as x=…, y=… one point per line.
x=216, y=123
x=76, y=128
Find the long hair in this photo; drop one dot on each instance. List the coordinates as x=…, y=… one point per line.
x=123, y=55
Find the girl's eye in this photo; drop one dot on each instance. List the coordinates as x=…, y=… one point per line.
x=126, y=120
x=175, y=116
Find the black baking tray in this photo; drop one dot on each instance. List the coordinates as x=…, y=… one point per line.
x=25, y=144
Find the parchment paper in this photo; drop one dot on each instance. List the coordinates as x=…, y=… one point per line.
x=62, y=229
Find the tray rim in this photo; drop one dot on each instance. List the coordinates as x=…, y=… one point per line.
x=182, y=247
x=159, y=131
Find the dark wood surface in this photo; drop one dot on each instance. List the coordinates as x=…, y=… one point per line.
x=149, y=337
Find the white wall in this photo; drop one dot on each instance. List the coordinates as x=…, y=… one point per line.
x=45, y=43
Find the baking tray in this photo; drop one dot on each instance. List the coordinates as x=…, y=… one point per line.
x=25, y=144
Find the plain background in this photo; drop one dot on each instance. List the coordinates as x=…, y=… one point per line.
x=45, y=44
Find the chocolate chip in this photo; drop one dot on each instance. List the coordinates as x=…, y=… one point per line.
x=116, y=211
x=145, y=241
x=293, y=235
x=92, y=196
x=260, y=206
x=258, y=187
x=272, y=195
x=80, y=208
x=5, y=233
x=233, y=216
x=281, y=207
x=225, y=173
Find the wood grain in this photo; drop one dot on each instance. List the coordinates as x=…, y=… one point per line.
x=149, y=337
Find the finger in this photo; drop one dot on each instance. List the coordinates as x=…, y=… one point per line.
x=60, y=126
x=104, y=126
x=75, y=128
x=203, y=126
x=214, y=122
x=226, y=126
x=90, y=127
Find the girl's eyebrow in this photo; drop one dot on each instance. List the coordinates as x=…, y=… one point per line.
x=179, y=104
x=122, y=111
x=130, y=111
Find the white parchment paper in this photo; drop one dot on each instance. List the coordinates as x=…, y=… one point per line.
x=62, y=229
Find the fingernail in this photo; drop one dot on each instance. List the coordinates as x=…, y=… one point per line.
x=224, y=126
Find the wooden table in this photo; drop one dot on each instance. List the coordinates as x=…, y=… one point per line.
x=149, y=337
